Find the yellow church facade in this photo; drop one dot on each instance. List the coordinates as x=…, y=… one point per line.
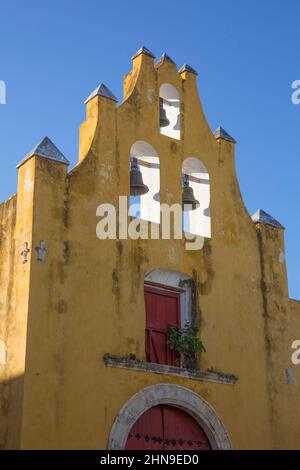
x=85, y=361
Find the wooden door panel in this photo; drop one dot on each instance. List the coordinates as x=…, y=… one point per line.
x=166, y=427
x=182, y=428
x=146, y=432
x=162, y=309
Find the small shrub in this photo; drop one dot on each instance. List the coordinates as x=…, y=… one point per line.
x=186, y=343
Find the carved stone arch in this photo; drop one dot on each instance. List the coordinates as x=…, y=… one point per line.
x=173, y=395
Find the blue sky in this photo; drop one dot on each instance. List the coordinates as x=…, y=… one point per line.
x=54, y=53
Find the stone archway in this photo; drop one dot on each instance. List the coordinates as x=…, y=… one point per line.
x=175, y=395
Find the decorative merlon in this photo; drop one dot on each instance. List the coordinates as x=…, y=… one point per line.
x=164, y=58
x=143, y=50
x=220, y=133
x=102, y=90
x=194, y=374
x=261, y=217
x=187, y=68
x=46, y=149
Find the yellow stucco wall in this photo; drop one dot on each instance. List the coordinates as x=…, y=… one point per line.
x=10, y=377
x=87, y=299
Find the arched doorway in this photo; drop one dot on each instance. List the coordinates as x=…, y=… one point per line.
x=170, y=395
x=165, y=427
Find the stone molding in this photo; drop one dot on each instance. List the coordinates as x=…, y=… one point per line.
x=194, y=374
x=174, y=395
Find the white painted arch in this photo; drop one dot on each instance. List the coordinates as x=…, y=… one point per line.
x=199, y=220
x=174, y=395
x=149, y=203
x=171, y=105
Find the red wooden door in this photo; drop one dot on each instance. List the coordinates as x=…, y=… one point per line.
x=165, y=427
x=162, y=309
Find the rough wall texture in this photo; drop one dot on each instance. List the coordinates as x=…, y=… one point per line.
x=11, y=377
x=87, y=299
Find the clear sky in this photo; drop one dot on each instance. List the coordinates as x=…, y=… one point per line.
x=54, y=53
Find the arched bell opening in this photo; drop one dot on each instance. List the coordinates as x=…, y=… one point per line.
x=196, y=198
x=169, y=111
x=144, y=182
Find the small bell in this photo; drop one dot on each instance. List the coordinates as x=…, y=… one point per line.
x=164, y=121
x=189, y=203
x=137, y=186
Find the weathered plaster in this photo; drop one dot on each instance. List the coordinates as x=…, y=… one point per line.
x=59, y=317
x=195, y=374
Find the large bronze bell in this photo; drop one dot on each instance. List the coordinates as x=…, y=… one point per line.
x=189, y=203
x=137, y=186
x=164, y=121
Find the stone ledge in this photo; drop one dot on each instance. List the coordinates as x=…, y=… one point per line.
x=134, y=364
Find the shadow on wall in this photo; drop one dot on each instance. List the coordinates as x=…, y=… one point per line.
x=11, y=399
x=169, y=111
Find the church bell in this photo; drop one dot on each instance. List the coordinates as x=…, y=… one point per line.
x=189, y=203
x=137, y=186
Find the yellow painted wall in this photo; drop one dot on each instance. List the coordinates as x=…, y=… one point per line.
x=87, y=299
x=10, y=380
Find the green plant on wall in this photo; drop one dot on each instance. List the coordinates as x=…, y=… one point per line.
x=186, y=342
